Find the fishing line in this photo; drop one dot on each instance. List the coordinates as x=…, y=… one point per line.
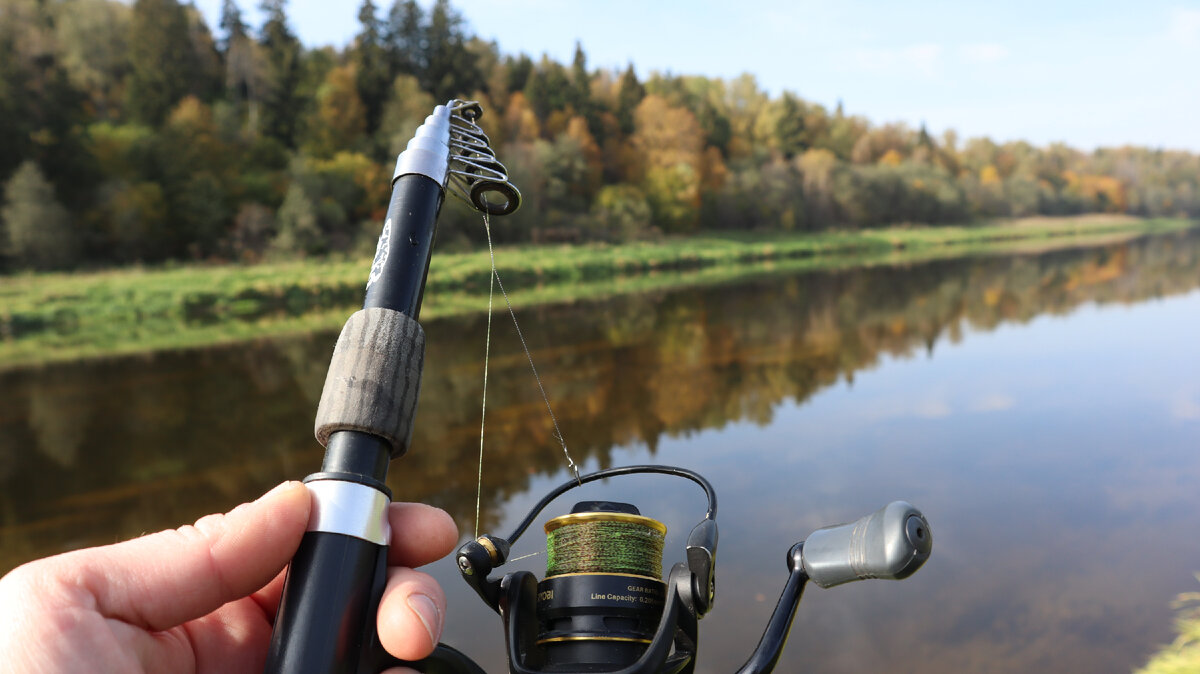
x=604, y=542
x=487, y=349
x=495, y=277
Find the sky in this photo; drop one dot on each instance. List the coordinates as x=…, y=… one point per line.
x=1089, y=74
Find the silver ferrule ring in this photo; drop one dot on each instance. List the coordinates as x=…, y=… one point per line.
x=428, y=153
x=349, y=508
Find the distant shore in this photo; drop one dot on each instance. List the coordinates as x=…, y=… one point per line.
x=55, y=317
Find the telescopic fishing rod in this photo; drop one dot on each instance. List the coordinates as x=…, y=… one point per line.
x=603, y=605
x=326, y=618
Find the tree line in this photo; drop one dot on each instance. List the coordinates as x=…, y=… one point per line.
x=134, y=133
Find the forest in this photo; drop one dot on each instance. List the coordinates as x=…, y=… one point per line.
x=136, y=133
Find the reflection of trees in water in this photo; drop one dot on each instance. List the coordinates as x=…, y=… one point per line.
x=165, y=439
x=96, y=451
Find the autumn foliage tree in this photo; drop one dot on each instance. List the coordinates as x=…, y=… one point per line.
x=340, y=120
x=670, y=146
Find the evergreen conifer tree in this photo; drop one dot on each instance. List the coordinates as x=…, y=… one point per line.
x=162, y=64
x=281, y=105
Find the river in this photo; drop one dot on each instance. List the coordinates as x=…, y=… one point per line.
x=1042, y=409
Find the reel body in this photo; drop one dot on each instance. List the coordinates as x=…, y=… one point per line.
x=603, y=607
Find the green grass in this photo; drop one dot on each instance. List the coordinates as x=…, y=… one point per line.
x=54, y=317
x=1182, y=656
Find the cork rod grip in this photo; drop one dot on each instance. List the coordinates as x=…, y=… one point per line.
x=374, y=378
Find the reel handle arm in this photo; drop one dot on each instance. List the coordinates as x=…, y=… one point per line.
x=774, y=638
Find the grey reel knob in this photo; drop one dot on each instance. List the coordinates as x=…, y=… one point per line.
x=892, y=543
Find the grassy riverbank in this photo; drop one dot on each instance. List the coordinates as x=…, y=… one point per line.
x=53, y=317
x=1183, y=656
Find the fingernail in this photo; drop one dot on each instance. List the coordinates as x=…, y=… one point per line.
x=278, y=488
x=429, y=614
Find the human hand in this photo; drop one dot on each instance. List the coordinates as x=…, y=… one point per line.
x=202, y=598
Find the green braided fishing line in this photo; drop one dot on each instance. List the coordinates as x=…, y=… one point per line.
x=604, y=547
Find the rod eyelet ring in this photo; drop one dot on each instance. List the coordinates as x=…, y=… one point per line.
x=508, y=202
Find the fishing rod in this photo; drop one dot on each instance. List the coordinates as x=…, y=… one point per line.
x=326, y=617
x=603, y=606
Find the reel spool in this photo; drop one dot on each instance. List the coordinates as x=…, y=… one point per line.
x=603, y=594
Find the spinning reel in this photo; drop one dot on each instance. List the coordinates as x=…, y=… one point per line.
x=603, y=606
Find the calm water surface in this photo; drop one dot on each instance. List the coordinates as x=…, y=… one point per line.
x=1043, y=410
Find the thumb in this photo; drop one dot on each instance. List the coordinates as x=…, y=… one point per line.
x=168, y=578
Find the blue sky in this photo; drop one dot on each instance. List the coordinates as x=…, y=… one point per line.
x=1086, y=73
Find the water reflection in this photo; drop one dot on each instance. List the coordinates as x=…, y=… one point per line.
x=1050, y=459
